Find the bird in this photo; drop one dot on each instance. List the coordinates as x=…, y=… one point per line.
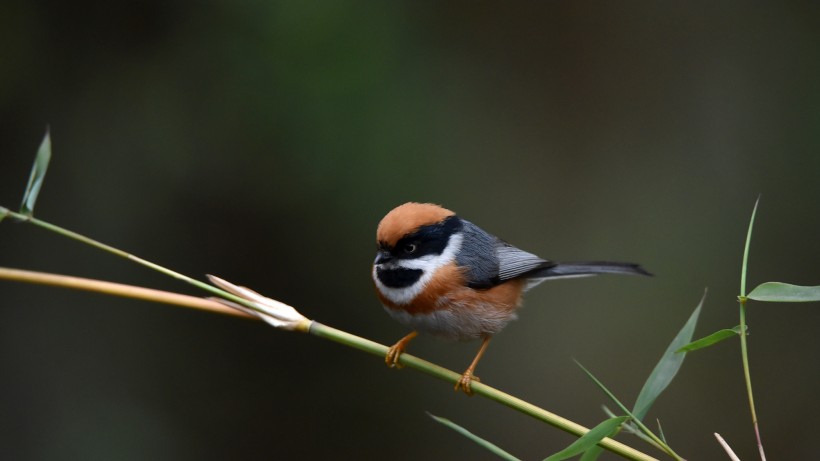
x=444, y=276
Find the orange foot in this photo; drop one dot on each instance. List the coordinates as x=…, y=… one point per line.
x=465, y=382
x=395, y=351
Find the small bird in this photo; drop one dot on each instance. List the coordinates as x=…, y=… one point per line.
x=444, y=276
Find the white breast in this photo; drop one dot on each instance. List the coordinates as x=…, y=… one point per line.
x=472, y=322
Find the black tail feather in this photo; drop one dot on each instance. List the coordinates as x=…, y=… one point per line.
x=589, y=268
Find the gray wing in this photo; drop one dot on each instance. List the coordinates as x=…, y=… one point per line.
x=480, y=264
x=514, y=262
x=486, y=269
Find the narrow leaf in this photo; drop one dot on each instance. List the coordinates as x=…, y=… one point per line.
x=38, y=173
x=629, y=426
x=784, y=292
x=3, y=213
x=660, y=431
x=746, y=250
x=592, y=454
x=495, y=449
x=710, y=340
x=667, y=367
x=604, y=388
x=590, y=439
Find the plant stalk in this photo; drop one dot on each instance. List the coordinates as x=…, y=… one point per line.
x=116, y=251
x=316, y=328
x=744, y=352
x=325, y=332
x=380, y=350
x=119, y=289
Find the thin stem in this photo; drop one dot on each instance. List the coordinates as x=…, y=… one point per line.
x=745, y=357
x=119, y=289
x=744, y=352
x=657, y=440
x=321, y=331
x=371, y=347
x=651, y=437
x=325, y=332
x=116, y=251
x=726, y=448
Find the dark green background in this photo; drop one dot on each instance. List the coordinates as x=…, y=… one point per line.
x=263, y=141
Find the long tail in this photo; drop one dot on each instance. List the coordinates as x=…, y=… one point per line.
x=581, y=269
x=589, y=268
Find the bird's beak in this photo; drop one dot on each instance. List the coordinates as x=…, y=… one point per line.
x=383, y=257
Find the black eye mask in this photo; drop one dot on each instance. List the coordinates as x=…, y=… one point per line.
x=428, y=240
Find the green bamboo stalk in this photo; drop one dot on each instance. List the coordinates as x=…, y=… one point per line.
x=116, y=251
x=313, y=327
x=410, y=361
x=744, y=351
x=325, y=332
x=121, y=290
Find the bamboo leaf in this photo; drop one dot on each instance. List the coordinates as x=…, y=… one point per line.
x=784, y=292
x=660, y=431
x=604, y=388
x=590, y=439
x=495, y=449
x=710, y=340
x=38, y=173
x=592, y=454
x=746, y=249
x=667, y=367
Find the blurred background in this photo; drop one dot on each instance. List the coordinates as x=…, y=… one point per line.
x=263, y=141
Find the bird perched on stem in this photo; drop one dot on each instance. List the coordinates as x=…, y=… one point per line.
x=444, y=276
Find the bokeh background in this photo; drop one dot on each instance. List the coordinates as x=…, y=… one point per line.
x=263, y=141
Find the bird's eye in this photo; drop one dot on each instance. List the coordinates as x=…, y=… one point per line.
x=410, y=248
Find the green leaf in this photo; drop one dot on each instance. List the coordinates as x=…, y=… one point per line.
x=640, y=428
x=3, y=213
x=710, y=340
x=590, y=439
x=746, y=250
x=784, y=292
x=667, y=367
x=603, y=388
x=660, y=432
x=629, y=427
x=38, y=173
x=495, y=449
x=592, y=454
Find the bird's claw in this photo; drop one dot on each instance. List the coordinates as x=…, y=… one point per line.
x=465, y=382
x=393, y=355
x=395, y=351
